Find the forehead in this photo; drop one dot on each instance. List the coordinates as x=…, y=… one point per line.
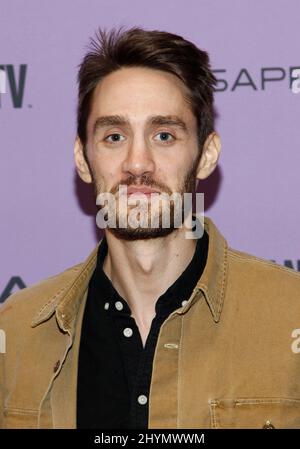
x=138, y=92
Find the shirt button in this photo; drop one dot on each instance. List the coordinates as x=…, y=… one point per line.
x=183, y=303
x=142, y=399
x=127, y=332
x=119, y=305
x=106, y=305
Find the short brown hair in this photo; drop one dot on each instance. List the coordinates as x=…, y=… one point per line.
x=160, y=50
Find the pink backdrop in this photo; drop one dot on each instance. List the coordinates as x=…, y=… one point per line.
x=47, y=214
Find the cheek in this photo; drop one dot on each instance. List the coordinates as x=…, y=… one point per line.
x=106, y=173
x=179, y=167
x=103, y=165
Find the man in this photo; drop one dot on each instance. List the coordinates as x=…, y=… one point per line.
x=155, y=329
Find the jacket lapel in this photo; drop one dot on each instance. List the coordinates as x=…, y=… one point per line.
x=66, y=306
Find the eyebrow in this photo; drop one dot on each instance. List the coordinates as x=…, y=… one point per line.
x=119, y=120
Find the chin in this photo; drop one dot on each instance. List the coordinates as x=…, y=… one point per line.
x=140, y=233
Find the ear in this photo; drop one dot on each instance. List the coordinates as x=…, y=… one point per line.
x=83, y=169
x=210, y=155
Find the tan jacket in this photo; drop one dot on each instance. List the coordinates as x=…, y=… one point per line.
x=229, y=358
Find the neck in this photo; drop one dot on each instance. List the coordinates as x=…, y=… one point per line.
x=142, y=270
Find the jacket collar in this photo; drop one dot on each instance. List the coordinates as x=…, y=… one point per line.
x=213, y=280
x=74, y=282
x=65, y=301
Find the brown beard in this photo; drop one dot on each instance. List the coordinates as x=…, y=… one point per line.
x=143, y=233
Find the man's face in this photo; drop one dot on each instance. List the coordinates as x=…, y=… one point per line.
x=142, y=133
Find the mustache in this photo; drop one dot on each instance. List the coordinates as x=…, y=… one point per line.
x=141, y=181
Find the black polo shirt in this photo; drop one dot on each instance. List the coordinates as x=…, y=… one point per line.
x=114, y=368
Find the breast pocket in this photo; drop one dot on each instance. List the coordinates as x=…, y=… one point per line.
x=255, y=413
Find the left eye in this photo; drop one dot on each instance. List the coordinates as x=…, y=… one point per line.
x=164, y=135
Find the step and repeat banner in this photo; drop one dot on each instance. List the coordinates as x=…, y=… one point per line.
x=48, y=214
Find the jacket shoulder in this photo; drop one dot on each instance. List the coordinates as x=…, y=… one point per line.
x=249, y=261
x=28, y=299
x=263, y=277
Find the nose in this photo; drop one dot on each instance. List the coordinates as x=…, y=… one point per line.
x=139, y=159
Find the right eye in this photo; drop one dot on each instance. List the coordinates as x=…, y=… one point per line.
x=115, y=138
